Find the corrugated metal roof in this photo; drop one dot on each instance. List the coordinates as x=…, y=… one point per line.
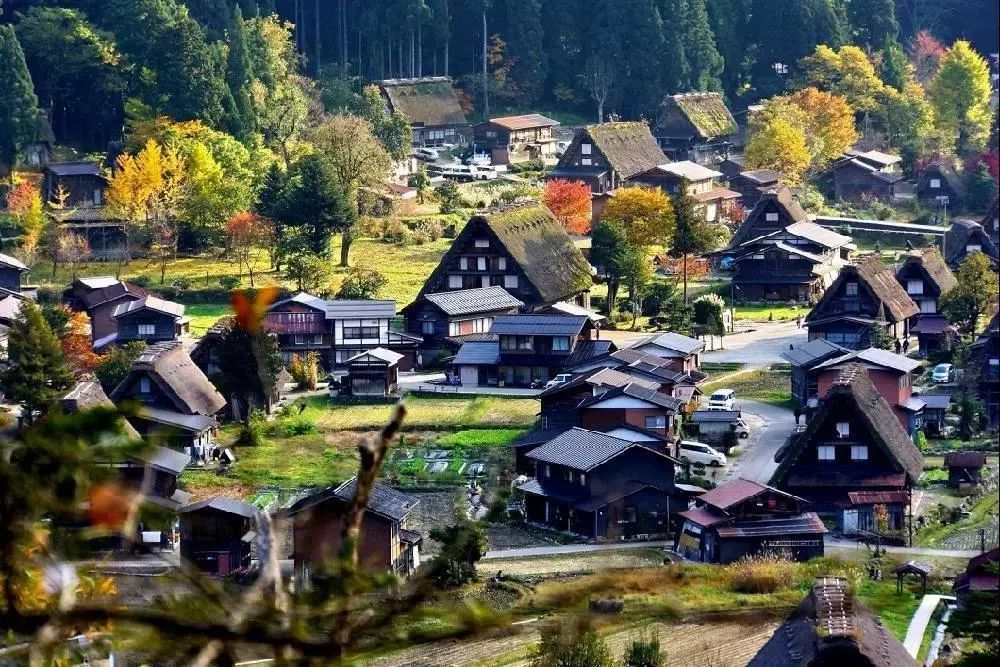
x=524, y=121
x=383, y=499
x=539, y=325
x=672, y=341
x=153, y=303
x=820, y=235
x=385, y=355
x=704, y=517
x=806, y=523
x=704, y=416
x=875, y=356
x=477, y=353
x=477, y=300
x=692, y=171
x=78, y=168
x=936, y=401
x=633, y=390
x=580, y=449
x=807, y=353
x=162, y=458
x=12, y=262
x=223, y=504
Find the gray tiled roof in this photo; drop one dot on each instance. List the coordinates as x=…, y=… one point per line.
x=345, y=309
x=78, y=168
x=807, y=353
x=673, y=341
x=478, y=353
x=477, y=300
x=383, y=500
x=875, y=356
x=703, y=416
x=223, y=504
x=150, y=303
x=580, y=449
x=820, y=235
x=633, y=390
x=539, y=325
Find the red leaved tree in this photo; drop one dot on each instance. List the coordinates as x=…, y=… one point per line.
x=249, y=235
x=76, y=345
x=927, y=53
x=569, y=201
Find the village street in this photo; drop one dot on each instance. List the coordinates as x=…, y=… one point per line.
x=756, y=460
x=759, y=347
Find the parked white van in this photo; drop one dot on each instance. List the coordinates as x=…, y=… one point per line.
x=690, y=451
x=721, y=399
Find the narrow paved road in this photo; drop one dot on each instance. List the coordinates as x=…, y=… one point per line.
x=905, y=551
x=758, y=348
x=529, y=552
x=918, y=624
x=756, y=462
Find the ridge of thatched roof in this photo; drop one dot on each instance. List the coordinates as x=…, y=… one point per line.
x=960, y=234
x=830, y=626
x=854, y=389
x=628, y=146
x=170, y=366
x=874, y=276
x=933, y=266
x=702, y=114
x=87, y=395
x=778, y=200
x=426, y=101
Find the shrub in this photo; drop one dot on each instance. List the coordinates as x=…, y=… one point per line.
x=920, y=441
x=229, y=283
x=371, y=227
x=450, y=197
x=181, y=284
x=305, y=370
x=561, y=646
x=432, y=228
x=462, y=546
x=254, y=429
x=394, y=231
x=419, y=237
x=761, y=573
x=142, y=281
x=299, y=424
x=644, y=652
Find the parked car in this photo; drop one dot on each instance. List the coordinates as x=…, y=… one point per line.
x=562, y=378
x=941, y=373
x=721, y=399
x=742, y=430
x=690, y=451
x=428, y=154
x=479, y=160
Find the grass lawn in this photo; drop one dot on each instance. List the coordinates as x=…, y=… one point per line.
x=779, y=313
x=981, y=514
x=436, y=414
x=767, y=385
x=204, y=315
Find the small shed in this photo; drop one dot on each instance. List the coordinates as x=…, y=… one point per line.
x=373, y=373
x=715, y=427
x=915, y=568
x=964, y=468
x=935, y=408
x=216, y=534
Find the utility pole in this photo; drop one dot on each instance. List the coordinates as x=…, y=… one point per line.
x=486, y=81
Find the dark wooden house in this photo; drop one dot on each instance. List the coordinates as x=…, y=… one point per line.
x=601, y=487
x=11, y=271
x=864, y=296
x=695, y=179
x=528, y=349
x=385, y=545
x=744, y=518
x=796, y=263
x=696, y=127
x=863, y=177
x=514, y=139
x=991, y=221
x=176, y=403
x=854, y=444
x=965, y=237
x=926, y=278
x=100, y=297
x=932, y=420
x=753, y=183
x=444, y=319
x=832, y=627
x=965, y=469
x=217, y=534
x=607, y=156
x=775, y=210
x=149, y=319
x=81, y=184
x=980, y=575
x=523, y=249
x=560, y=405
x=338, y=329
x=804, y=358
x=374, y=372
x=430, y=107
x=939, y=184
x=985, y=362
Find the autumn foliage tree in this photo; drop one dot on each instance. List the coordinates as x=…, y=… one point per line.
x=829, y=122
x=926, y=52
x=779, y=144
x=249, y=235
x=645, y=214
x=569, y=202
x=24, y=204
x=76, y=345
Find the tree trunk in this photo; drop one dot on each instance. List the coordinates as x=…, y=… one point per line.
x=486, y=81
x=600, y=112
x=345, y=247
x=447, y=36
x=685, y=264
x=420, y=49
x=412, y=54
x=318, y=64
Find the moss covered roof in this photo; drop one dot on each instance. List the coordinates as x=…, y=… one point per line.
x=428, y=101
x=701, y=114
x=629, y=147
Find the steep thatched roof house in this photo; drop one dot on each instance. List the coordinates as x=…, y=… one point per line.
x=965, y=236
x=831, y=627
x=939, y=182
x=696, y=127
x=926, y=278
x=523, y=249
x=862, y=297
x=606, y=156
x=776, y=209
x=430, y=106
x=991, y=221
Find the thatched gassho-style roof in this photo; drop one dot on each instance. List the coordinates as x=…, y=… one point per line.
x=933, y=267
x=703, y=115
x=778, y=200
x=963, y=233
x=177, y=376
x=426, y=102
x=872, y=275
x=854, y=390
x=629, y=147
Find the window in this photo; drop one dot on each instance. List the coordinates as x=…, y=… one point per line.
x=973, y=247
x=582, y=479
x=463, y=263
x=548, y=470
x=585, y=149
x=98, y=194
x=454, y=282
x=360, y=332
x=904, y=380
x=427, y=327
x=560, y=343
x=792, y=256
x=851, y=289
x=843, y=429
x=299, y=339
x=510, y=282
x=914, y=286
x=859, y=452
x=147, y=329
x=585, y=162
x=144, y=385
x=994, y=361
x=482, y=243
x=758, y=256
x=771, y=217
x=317, y=339
x=516, y=343
x=481, y=263
x=501, y=263
x=928, y=306
x=656, y=421
x=935, y=183
x=826, y=453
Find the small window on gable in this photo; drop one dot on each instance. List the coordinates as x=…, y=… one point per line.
x=510, y=282
x=973, y=247
x=771, y=217
x=501, y=263
x=583, y=479
x=482, y=243
x=935, y=183
x=914, y=286
x=826, y=453
x=144, y=386
x=428, y=327
x=585, y=149
x=843, y=429
x=454, y=282
x=758, y=256
x=585, y=162
x=859, y=452
x=851, y=289
x=463, y=263
x=481, y=263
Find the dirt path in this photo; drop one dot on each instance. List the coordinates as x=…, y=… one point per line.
x=703, y=644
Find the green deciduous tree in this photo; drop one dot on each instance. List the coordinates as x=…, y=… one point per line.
x=960, y=93
x=462, y=546
x=37, y=374
x=610, y=253
x=847, y=72
x=116, y=363
x=646, y=215
x=19, y=122
x=974, y=294
x=362, y=283
x=907, y=120
x=692, y=234
x=389, y=127
x=249, y=363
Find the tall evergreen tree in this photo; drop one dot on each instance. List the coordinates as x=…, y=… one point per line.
x=676, y=71
x=314, y=204
x=18, y=103
x=873, y=23
x=781, y=33
x=525, y=40
x=704, y=62
x=37, y=374
x=239, y=71
x=728, y=20
x=828, y=23
x=692, y=235
x=630, y=37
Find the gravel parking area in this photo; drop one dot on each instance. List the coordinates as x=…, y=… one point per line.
x=573, y=563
